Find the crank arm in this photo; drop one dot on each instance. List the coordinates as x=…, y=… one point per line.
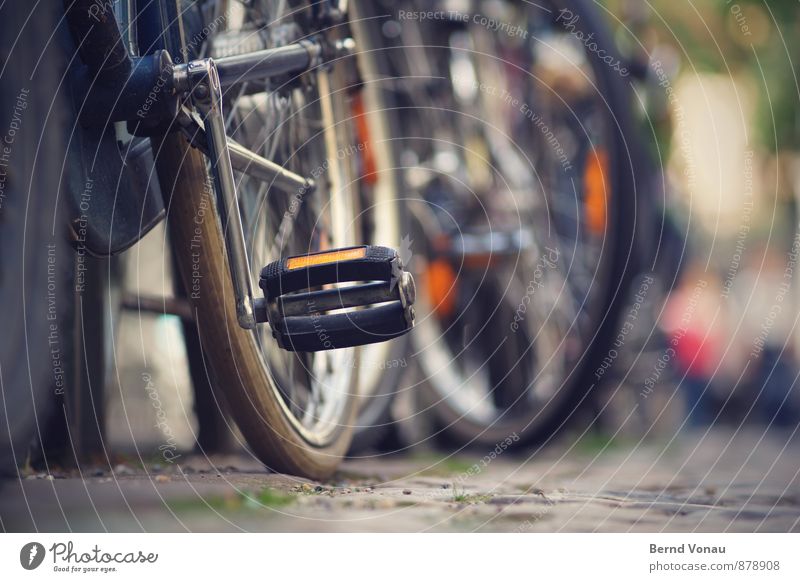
x=393, y=317
x=206, y=95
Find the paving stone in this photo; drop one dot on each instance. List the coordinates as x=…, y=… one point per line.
x=735, y=483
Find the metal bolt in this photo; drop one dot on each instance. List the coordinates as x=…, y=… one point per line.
x=201, y=91
x=346, y=46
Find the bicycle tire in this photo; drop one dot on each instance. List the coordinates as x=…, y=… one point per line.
x=450, y=424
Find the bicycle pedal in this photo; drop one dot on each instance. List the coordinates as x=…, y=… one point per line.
x=306, y=314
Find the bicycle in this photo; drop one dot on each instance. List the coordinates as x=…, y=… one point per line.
x=273, y=178
x=521, y=156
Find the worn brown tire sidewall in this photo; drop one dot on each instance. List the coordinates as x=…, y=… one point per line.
x=238, y=368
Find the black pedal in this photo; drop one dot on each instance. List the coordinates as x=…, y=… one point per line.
x=305, y=316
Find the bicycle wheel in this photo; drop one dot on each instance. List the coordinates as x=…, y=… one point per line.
x=36, y=262
x=525, y=214
x=296, y=410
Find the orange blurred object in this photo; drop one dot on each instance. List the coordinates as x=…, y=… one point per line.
x=595, y=183
x=440, y=281
x=370, y=173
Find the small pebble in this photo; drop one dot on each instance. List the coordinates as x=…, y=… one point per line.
x=406, y=491
x=123, y=470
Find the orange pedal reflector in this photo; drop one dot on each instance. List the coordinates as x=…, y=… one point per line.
x=304, y=261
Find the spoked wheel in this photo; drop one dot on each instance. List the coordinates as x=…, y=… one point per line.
x=526, y=209
x=296, y=410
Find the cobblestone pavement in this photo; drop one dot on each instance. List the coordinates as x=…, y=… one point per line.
x=714, y=482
